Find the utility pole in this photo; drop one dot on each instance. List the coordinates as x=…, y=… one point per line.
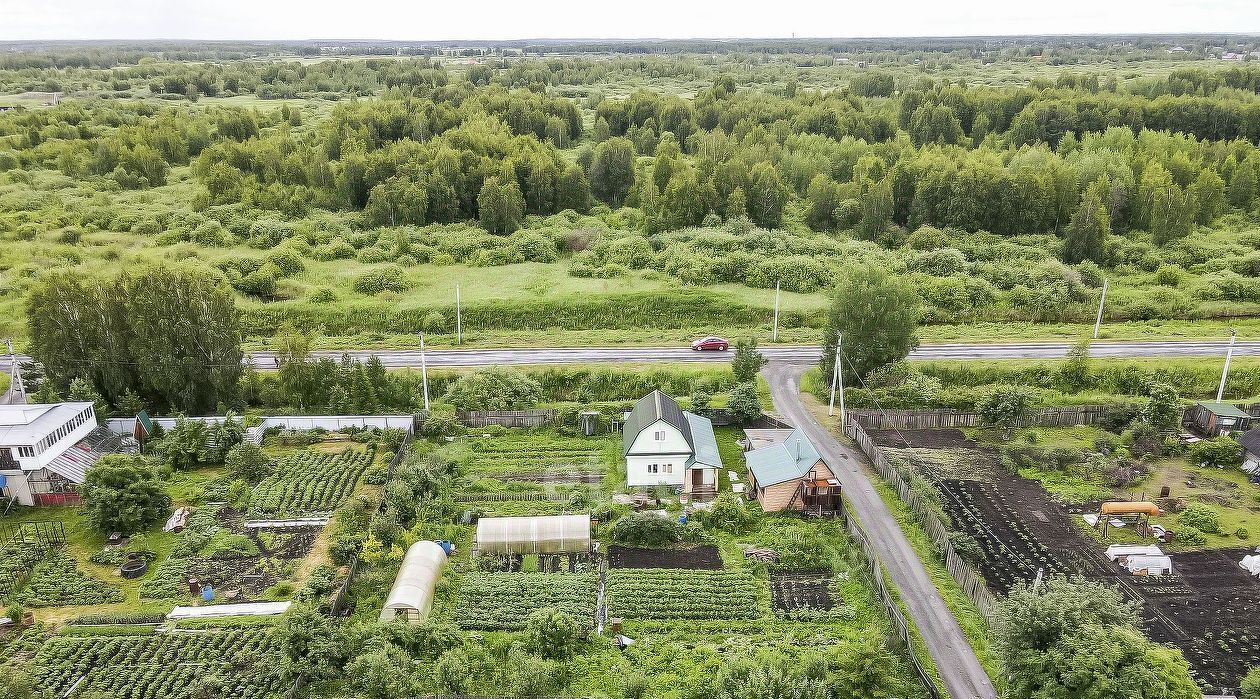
x=15, y=369
x=837, y=380
x=424, y=374
x=459, y=334
x=775, y=337
x=1101, y=301
x=1229, y=354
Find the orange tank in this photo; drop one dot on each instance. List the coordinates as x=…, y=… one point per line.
x=1131, y=508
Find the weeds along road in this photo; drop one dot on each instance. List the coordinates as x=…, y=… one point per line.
x=955, y=660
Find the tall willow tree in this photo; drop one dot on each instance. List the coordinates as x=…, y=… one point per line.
x=168, y=334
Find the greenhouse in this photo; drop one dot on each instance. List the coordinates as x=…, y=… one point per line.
x=558, y=534
x=411, y=597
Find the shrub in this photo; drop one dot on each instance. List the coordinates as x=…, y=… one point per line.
x=494, y=389
x=551, y=633
x=248, y=462
x=123, y=494
x=1242, y=533
x=388, y=278
x=1191, y=536
x=729, y=514
x=646, y=529
x=1222, y=452
x=451, y=673
x=1201, y=517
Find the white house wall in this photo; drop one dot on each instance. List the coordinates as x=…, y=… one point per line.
x=668, y=455
x=671, y=470
x=1251, y=461
x=647, y=443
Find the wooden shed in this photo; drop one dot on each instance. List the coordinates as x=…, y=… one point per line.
x=1215, y=419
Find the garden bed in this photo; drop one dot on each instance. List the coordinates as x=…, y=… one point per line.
x=1210, y=608
x=791, y=592
x=504, y=601
x=147, y=666
x=703, y=557
x=655, y=593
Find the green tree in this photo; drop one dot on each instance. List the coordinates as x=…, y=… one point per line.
x=1069, y=638
x=1086, y=235
x=1005, y=406
x=1073, y=374
x=573, y=191
x=747, y=360
x=383, y=672
x=1163, y=409
x=612, y=171
x=307, y=644
x=500, y=206
x=494, y=389
x=878, y=314
x=248, y=462
x=765, y=205
x=551, y=633
x=122, y=494
x=1242, y=186
x=743, y=402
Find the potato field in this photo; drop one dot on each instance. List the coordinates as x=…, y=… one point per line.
x=159, y=666
x=310, y=481
x=533, y=453
x=503, y=601
x=57, y=581
x=655, y=593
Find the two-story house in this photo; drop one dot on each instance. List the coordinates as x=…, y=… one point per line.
x=46, y=450
x=666, y=445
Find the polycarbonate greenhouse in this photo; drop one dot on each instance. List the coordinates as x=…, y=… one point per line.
x=534, y=535
x=411, y=597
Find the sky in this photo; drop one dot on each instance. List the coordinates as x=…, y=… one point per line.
x=517, y=19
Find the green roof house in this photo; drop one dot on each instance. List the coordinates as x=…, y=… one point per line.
x=1216, y=419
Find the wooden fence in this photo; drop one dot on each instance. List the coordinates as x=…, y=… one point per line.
x=942, y=419
x=967, y=578
x=900, y=626
x=506, y=418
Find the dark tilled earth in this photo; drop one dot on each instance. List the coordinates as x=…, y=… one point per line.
x=703, y=557
x=1210, y=609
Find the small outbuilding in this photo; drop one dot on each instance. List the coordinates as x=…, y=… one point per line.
x=1215, y=419
x=791, y=475
x=411, y=597
x=1251, y=450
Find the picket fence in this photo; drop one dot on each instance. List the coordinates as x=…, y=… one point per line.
x=966, y=576
x=900, y=626
x=942, y=419
x=506, y=418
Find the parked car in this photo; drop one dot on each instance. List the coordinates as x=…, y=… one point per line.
x=713, y=342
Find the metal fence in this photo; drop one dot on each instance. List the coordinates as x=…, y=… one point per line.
x=966, y=576
x=506, y=418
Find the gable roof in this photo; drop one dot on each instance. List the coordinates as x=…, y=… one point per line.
x=650, y=408
x=25, y=425
x=704, y=446
x=1251, y=440
x=1224, y=409
x=788, y=460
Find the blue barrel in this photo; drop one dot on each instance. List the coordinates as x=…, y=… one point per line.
x=446, y=546
x=682, y=519
x=207, y=593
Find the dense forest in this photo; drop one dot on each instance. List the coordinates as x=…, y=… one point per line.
x=327, y=191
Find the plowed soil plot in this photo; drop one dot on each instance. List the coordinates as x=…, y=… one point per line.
x=792, y=591
x=1018, y=532
x=921, y=439
x=1215, y=621
x=704, y=557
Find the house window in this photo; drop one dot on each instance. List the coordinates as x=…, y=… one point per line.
x=667, y=468
x=26, y=452
x=653, y=468
x=660, y=435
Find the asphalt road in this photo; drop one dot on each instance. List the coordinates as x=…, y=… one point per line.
x=800, y=354
x=955, y=660
x=797, y=354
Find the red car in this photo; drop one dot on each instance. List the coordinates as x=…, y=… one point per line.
x=712, y=342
